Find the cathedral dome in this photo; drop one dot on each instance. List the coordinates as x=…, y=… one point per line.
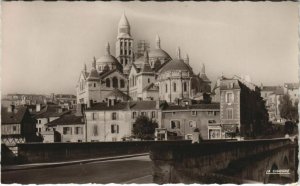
x=108, y=59
x=176, y=64
x=158, y=53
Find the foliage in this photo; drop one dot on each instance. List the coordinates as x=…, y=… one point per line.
x=144, y=128
x=287, y=109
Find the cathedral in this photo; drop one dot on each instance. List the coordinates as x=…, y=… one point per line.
x=155, y=75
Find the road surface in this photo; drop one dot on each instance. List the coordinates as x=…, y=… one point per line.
x=129, y=170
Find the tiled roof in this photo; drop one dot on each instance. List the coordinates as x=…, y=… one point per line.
x=103, y=106
x=133, y=105
x=211, y=106
x=269, y=88
x=13, y=117
x=143, y=105
x=67, y=119
x=51, y=111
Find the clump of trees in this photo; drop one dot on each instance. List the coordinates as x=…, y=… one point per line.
x=144, y=128
x=288, y=110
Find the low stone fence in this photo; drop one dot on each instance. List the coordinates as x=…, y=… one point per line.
x=198, y=163
x=55, y=152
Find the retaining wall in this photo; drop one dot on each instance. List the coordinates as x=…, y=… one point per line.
x=55, y=152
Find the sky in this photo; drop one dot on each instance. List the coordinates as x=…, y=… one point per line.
x=45, y=44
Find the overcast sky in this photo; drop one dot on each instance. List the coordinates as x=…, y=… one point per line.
x=45, y=44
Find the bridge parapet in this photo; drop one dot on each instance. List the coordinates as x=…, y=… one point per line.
x=178, y=163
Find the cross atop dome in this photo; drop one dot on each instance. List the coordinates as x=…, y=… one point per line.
x=178, y=53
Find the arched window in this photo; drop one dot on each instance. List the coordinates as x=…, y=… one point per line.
x=107, y=82
x=184, y=87
x=166, y=88
x=122, y=83
x=174, y=87
x=115, y=82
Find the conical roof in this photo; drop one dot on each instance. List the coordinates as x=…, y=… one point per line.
x=123, y=21
x=93, y=75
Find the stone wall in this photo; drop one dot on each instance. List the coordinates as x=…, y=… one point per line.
x=199, y=163
x=55, y=152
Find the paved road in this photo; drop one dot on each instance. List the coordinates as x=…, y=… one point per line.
x=130, y=170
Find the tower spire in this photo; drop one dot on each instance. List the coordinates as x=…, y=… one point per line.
x=178, y=53
x=203, y=69
x=107, y=48
x=94, y=63
x=157, y=41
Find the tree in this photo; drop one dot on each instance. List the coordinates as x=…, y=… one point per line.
x=287, y=109
x=144, y=128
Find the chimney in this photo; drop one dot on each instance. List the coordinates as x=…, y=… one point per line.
x=38, y=107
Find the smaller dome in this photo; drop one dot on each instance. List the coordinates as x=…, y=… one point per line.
x=93, y=75
x=158, y=53
x=107, y=59
x=176, y=64
x=139, y=61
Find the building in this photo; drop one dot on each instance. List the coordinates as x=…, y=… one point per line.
x=67, y=101
x=47, y=114
x=183, y=119
x=69, y=127
x=242, y=109
x=292, y=89
x=17, y=126
x=23, y=99
x=272, y=96
x=150, y=76
x=115, y=122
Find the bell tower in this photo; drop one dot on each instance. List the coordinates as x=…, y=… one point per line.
x=124, y=44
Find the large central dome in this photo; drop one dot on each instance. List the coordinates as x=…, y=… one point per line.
x=176, y=64
x=158, y=53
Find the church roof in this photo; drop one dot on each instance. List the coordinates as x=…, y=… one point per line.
x=158, y=53
x=176, y=64
x=204, y=78
x=123, y=21
x=151, y=87
x=93, y=75
x=107, y=58
x=117, y=93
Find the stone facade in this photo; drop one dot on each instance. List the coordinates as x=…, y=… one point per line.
x=242, y=108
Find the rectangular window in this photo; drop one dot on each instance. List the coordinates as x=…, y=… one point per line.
x=67, y=130
x=95, y=130
x=14, y=128
x=114, y=116
x=114, y=129
x=153, y=114
x=229, y=97
x=39, y=121
x=229, y=114
x=175, y=124
x=78, y=130
x=143, y=113
x=192, y=124
x=133, y=115
x=212, y=121
x=194, y=113
x=94, y=116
